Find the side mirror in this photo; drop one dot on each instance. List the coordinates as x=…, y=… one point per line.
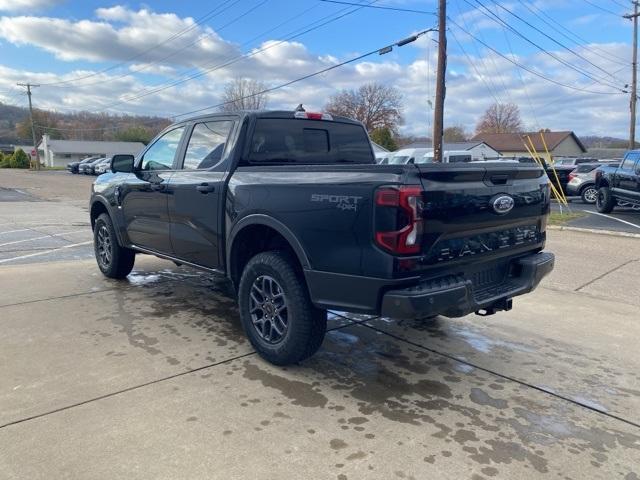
x=122, y=163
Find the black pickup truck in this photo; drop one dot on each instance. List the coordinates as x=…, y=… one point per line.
x=293, y=209
x=619, y=185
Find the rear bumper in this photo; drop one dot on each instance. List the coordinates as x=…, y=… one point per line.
x=452, y=295
x=455, y=296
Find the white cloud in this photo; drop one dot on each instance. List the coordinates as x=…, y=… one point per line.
x=142, y=35
x=120, y=33
x=27, y=5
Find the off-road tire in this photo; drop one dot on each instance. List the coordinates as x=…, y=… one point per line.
x=605, y=200
x=121, y=259
x=306, y=324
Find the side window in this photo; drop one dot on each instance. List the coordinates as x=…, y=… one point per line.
x=628, y=162
x=161, y=154
x=206, y=144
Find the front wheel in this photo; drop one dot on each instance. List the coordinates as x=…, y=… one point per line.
x=589, y=194
x=276, y=313
x=605, y=201
x=113, y=260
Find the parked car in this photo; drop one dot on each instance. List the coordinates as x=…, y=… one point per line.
x=572, y=162
x=73, y=167
x=292, y=208
x=102, y=166
x=582, y=181
x=619, y=185
x=407, y=156
x=448, y=156
x=87, y=168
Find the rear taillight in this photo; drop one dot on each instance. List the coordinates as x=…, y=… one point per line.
x=399, y=219
x=572, y=176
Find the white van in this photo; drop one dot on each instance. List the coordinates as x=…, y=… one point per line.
x=407, y=155
x=448, y=156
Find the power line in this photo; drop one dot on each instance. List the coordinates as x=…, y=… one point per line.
x=580, y=40
x=498, y=20
x=381, y=7
x=237, y=58
x=524, y=84
x=489, y=79
x=148, y=65
x=599, y=7
x=379, y=51
x=533, y=72
x=209, y=15
x=472, y=64
x=551, y=38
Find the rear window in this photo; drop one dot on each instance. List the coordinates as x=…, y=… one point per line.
x=585, y=168
x=309, y=141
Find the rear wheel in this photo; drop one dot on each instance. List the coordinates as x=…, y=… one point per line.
x=276, y=313
x=113, y=260
x=589, y=194
x=605, y=200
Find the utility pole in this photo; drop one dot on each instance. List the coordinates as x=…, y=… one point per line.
x=33, y=128
x=438, y=113
x=634, y=77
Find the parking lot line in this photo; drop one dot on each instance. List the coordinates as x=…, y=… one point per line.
x=16, y=231
x=612, y=218
x=21, y=257
x=42, y=238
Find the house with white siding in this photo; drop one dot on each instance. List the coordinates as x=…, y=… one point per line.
x=57, y=153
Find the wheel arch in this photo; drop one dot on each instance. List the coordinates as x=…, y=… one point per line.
x=587, y=185
x=256, y=233
x=100, y=206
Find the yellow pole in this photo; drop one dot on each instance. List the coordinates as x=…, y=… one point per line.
x=537, y=160
x=559, y=194
x=552, y=166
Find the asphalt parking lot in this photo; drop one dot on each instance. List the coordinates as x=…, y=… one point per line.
x=152, y=377
x=622, y=219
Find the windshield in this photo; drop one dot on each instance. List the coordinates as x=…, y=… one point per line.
x=426, y=159
x=279, y=140
x=398, y=160
x=566, y=161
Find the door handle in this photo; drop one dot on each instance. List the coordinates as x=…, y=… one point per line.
x=205, y=188
x=158, y=187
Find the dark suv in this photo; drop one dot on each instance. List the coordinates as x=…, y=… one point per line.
x=293, y=209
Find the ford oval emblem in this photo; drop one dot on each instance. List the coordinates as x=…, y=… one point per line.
x=502, y=204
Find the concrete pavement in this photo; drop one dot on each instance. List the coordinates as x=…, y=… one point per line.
x=152, y=377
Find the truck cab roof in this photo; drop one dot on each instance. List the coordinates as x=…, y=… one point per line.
x=279, y=114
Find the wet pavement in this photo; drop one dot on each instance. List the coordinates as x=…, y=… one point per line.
x=152, y=377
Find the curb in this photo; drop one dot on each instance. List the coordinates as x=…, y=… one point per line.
x=612, y=233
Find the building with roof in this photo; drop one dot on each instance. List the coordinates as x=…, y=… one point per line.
x=479, y=150
x=559, y=144
x=57, y=153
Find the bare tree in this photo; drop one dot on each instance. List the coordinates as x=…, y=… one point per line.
x=373, y=104
x=244, y=94
x=500, y=118
x=455, y=134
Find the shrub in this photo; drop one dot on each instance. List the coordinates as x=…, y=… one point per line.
x=4, y=160
x=19, y=159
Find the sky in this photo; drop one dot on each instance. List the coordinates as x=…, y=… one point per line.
x=565, y=63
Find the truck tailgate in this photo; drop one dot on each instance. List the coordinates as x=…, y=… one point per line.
x=473, y=210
